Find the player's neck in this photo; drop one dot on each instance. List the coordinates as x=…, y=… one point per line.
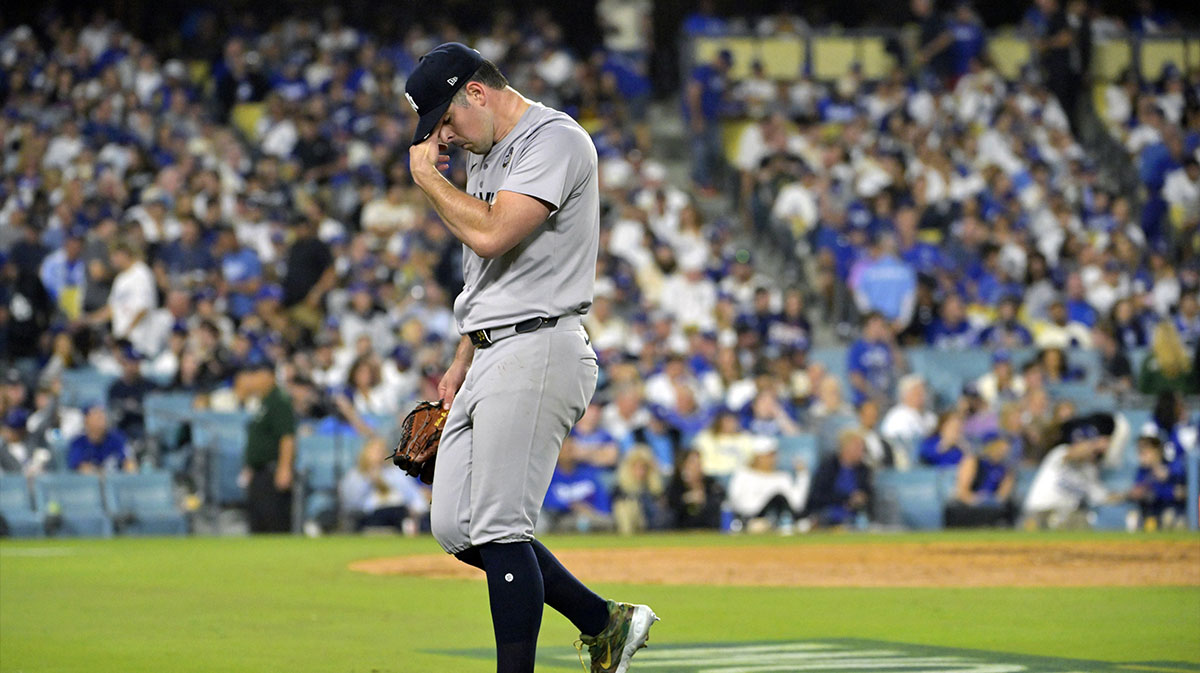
x=512, y=107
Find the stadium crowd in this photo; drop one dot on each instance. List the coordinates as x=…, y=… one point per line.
x=184, y=226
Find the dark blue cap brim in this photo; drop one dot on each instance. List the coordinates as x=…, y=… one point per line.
x=429, y=121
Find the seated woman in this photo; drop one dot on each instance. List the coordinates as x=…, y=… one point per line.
x=693, y=497
x=763, y=495
x=983, y=492
x=639, y=503
x=377, y=494
x=946, y=446
x=841, y=491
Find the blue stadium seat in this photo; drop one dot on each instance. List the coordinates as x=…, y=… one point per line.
x=16, y=507
x=1024, y=481
x=78, y=501
x=833, y=358
x=963, y=366
x=144, y=504
x=317, y=459
x=800, y=447
x=85, y=387
x=166, y=413
x=911, y=498
x=222, y=438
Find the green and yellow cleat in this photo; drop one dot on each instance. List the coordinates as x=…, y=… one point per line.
x=627, y=632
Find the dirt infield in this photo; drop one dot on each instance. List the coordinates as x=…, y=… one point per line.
x=949, y=564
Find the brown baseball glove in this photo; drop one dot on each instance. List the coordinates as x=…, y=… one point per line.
x=420, y=435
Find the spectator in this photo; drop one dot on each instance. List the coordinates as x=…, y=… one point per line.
x=270, y=450
x=99, y=447
x=693, y=497
x=133, y=297
x=365, y=318
x=879, y=452
x=63, y=275
x=1116, y=372
x=1061, y=331
x=1006, y=331
x=951, y=330
x=984, y=487
x=841, y=492
x=375, y=495
x=1068, y=481
x=946, y=446
x=724, y=446
x=872, y=361
x=1128, y=325
x=127, y=395
x=367, y=391
x=934, y=53
x=593, y=445
x=577, y=499
x=241, y=273
x=1167, y=367
x=639, y=503
x=885, y=284
x=764, y=496
x=908, y=423
x=705, y=100
x=310, y=275
x=769, y=416
x=1160, y=493
x=1000, y=385
x=19, y=453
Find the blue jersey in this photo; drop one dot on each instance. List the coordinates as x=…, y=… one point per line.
x=931, y=456
x=968, y=44
x=988, y=477
x=110, y=451
x=712, y=92
x=888, y=284
x=580, y=485
x=945, y=335
x=874, y=362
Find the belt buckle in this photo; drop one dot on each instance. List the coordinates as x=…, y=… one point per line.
x=480, y=338
x=530, y=325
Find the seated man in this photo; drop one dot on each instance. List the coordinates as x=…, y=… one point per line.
x=99, y=447
x=577, y=498
x=983, y=490
x=841, y=491
x=19, y=453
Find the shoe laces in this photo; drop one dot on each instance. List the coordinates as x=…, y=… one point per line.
x=579, y=651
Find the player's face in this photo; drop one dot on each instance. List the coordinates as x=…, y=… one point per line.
x=467, y=126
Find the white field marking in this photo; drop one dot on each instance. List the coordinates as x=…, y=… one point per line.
x=38, y=551
x=926, y=665
x=770, y=658
x=689, y=653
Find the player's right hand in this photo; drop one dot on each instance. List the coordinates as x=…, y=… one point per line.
x=451, y=381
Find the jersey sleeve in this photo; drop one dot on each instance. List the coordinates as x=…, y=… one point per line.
x=552, y=164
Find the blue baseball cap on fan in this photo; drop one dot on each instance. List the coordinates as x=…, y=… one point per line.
x=435, y=80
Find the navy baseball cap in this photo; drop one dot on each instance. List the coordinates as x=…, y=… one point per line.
x=432, y=85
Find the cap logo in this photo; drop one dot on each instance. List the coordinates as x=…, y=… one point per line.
x=411, y=102
x=452, y=80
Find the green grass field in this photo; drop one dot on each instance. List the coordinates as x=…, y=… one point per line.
x=291, y=604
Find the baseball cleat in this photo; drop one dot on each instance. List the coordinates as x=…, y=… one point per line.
x=627, y=632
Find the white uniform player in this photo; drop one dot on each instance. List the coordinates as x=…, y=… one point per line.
x=524, y=370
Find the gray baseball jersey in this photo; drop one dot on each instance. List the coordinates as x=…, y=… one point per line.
x=552, y=272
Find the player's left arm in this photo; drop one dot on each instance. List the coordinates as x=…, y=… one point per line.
x=488, y=229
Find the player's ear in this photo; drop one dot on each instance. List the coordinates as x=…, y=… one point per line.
x=477, y=93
